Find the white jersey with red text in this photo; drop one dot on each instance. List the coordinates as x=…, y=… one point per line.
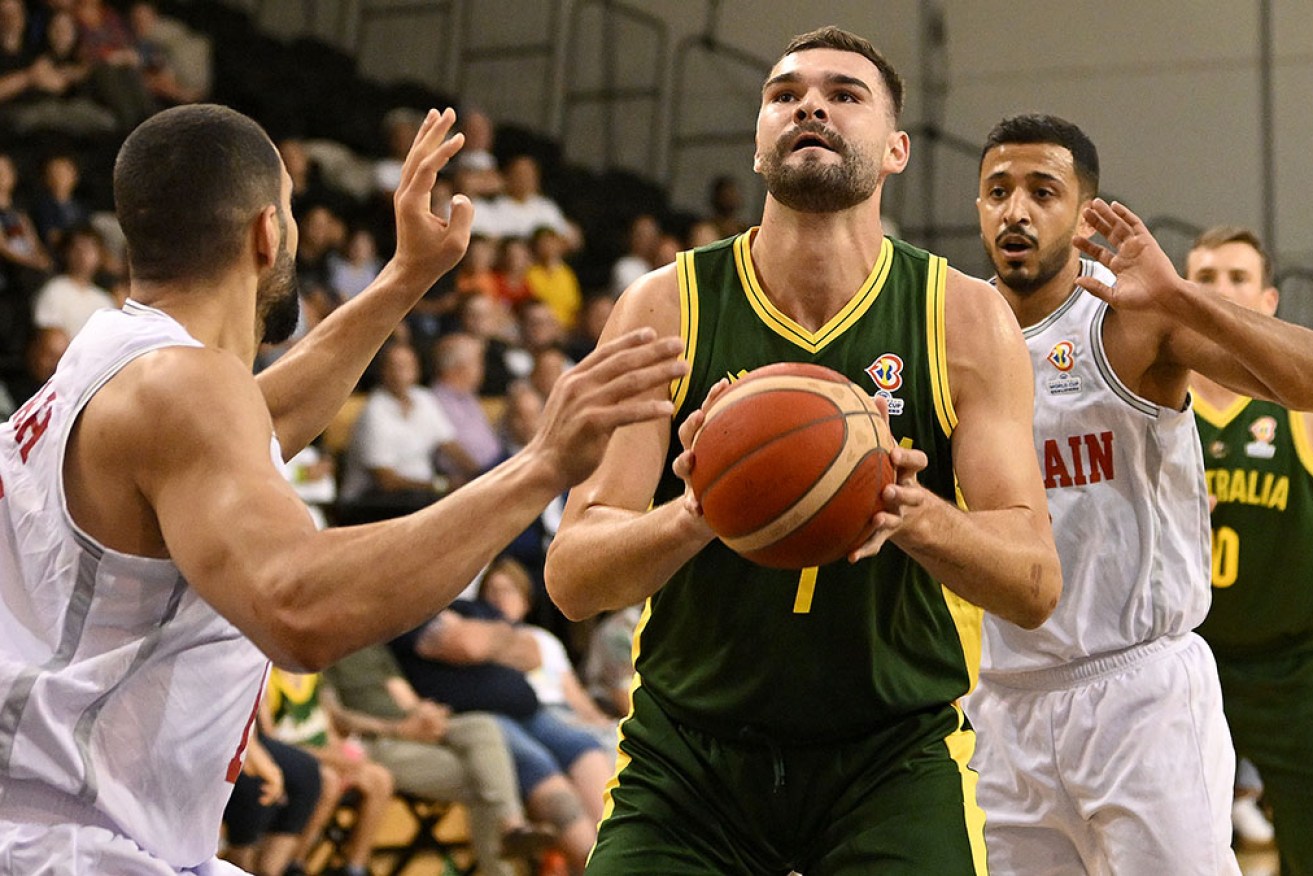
x=1125, y=483
x=125, y=699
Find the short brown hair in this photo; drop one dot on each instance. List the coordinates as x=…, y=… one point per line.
x=831, y=37
x=1220, y=235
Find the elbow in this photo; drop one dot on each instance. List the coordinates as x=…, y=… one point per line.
x=1043, y=591
x=563, y=587
x=295, y=634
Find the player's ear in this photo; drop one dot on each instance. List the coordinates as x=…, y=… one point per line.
x=897, y=149
x=1083, y=227
x=266, y=236
x=1270, y=299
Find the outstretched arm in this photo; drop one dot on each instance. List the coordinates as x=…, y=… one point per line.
x=999, y=554
x=1242, y=349
x=244, y=541
x=305, y=388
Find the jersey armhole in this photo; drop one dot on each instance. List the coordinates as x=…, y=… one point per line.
x=1300, y=425
x=688, y=326
x=936, y=283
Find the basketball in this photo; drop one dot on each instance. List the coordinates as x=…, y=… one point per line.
x=790, y=464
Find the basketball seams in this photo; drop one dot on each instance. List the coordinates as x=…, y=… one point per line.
x=819, y=495
x=776, y=439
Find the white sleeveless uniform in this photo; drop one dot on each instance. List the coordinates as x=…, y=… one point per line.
x=1101, y=742
x=125, y=699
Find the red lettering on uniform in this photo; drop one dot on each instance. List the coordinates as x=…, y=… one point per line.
x=32, y=419
x=1073, y=441
x=235, y=765
x=1055, y=467
x=1089, y=456
x=1099, y=449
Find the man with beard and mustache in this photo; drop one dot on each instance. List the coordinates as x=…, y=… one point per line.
x=1103, y=747
x=809, y=721
x=151, y=547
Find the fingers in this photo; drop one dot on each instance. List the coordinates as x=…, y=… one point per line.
x=688, y=430
x=629, y=353
x=721, y=387
x=1132, y=222
x=432, y=119
x=418, y=183
x=1099, y=253
x=907, y=462
x=1098, y=289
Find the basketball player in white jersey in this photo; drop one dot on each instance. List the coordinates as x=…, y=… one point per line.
x=1102, y=745
x=150, y=550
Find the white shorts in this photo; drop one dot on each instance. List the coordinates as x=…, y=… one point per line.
x=1117, y=765
x=84, y=850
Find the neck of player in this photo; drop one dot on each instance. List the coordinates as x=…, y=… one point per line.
x=1031, y=307
x=812, y=264
x=212, y=311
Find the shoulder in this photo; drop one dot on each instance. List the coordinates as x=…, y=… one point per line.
x=652, y=300
x=975, y=304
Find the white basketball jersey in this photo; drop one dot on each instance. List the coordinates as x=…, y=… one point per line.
x=1125, y=483
x=124, y=698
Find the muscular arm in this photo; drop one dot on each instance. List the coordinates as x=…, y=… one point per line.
x=197, y=460
x=305, y=388
x=610, y=550
x=1000, y=554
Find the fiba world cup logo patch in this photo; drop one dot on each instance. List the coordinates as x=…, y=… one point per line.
x=1063, y=358
x=1264, y=430
x=887, y=372
x=1063, y=355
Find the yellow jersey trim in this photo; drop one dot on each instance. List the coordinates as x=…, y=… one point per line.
x=622, y=760
x=1300, y=424
x=1218, y=418
x=688, y=324
x=961, y=745
x=802, y=601
x=936, y=283
x=784, y=325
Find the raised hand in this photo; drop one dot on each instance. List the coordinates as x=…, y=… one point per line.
x=427, y=245
x=610, y=388
x=1145, y=275
x=688, y=433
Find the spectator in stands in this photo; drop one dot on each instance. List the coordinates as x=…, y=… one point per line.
x=523, y=207
x=20, y=245
x=351, y=271
x=668, y=246
x=551, y=280
x=476, y=163
x=270, y=808
x=513, y=262
x=519, y=421
x=486, y=319
x=726, y=203
x=549, y=363
x=117, y=77
x=701, y=233
x=507, y=587
x=322, y=232
x=539, y=327
x=644, y=233
x=587, y=331
x=175, y=64
x=433, y=754
x=473, y=660
x=291, y=712
x=56, y=208
x=475, y=274
x=609, y=668
x=458, y=374
x=40, y=85
x=68, y=299
x=44, y=349
x=390, y=463
x=400, y=126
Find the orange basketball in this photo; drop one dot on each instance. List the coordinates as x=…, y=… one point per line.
x=790, y=464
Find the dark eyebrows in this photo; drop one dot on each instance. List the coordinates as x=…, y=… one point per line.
x=792, y=78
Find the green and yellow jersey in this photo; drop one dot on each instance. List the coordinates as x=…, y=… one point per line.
x=1259, y=466
x=846, y=649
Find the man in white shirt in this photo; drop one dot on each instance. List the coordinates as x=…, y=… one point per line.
x=67, y=300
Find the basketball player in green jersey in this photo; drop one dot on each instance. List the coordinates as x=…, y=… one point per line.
x=808, y=720
x=1258, y=458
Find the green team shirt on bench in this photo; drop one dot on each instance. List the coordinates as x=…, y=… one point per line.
x=831, y=653
x=1259, y=467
